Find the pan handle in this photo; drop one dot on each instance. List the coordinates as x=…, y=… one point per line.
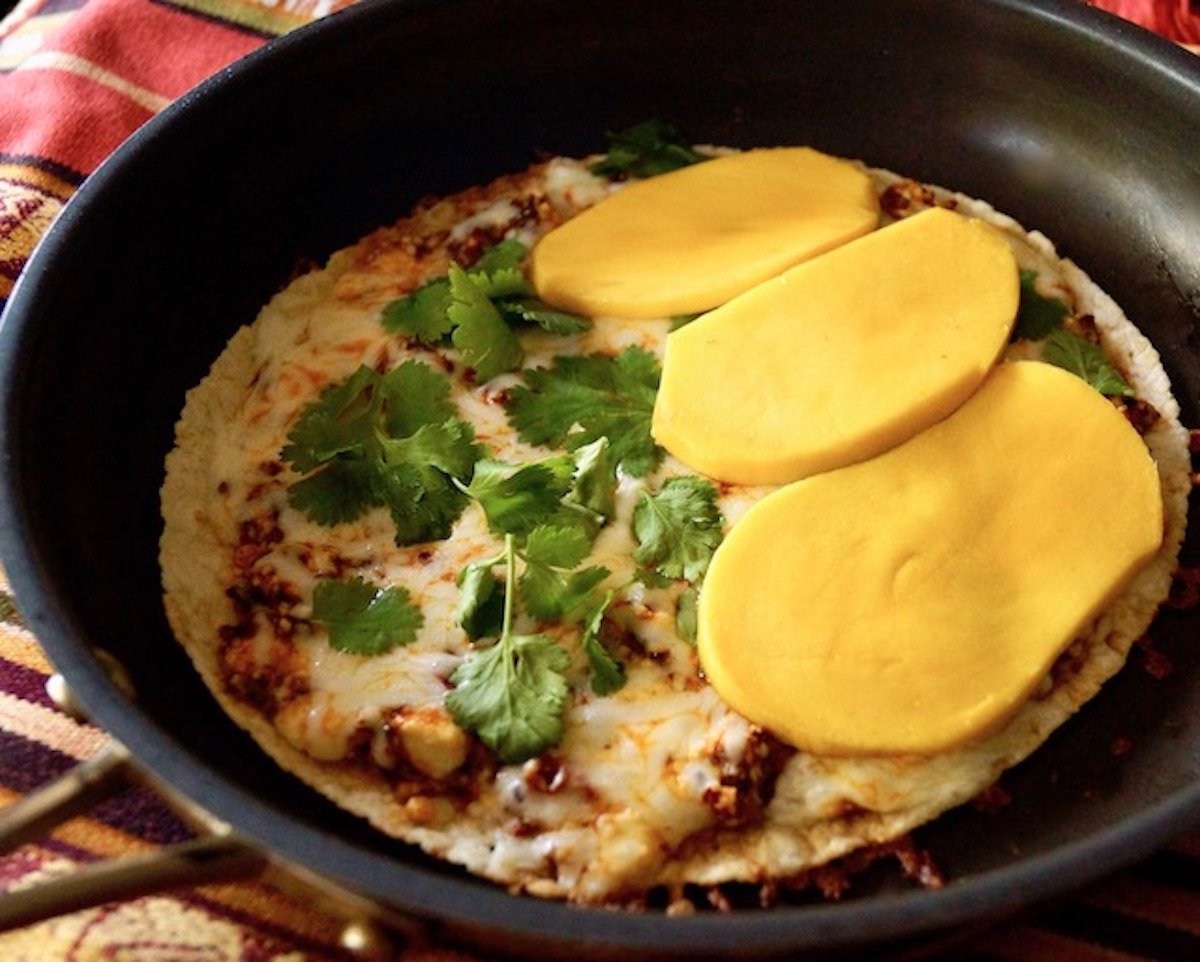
x=218, y=854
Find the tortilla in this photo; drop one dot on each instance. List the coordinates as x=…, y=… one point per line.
x=653, y=787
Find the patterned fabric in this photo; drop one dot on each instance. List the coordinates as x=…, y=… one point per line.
x=1179, y=20
x=76, y=78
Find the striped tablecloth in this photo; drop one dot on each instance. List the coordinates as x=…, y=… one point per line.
x=76, y=78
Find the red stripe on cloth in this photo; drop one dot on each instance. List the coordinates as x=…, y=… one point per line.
x=1177, y=20
x=105, y=74
x=156, y=47
x=73, y=121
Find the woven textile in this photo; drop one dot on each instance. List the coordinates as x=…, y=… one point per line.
x=1177, y=19
x=76, y=78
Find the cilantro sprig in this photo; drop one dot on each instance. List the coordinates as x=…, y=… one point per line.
x=479, y=309
x=553, y=509
x=363, y=619
x=1041, y=319
x=580, y=399
x=513, y=694
x=383, y=440
x=645, y=149
x=548, y=589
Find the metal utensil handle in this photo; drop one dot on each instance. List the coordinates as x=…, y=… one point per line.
x=218, y=854
x=69, y=795
x=216, y=857
x=178, y=866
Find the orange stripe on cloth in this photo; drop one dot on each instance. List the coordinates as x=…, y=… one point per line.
x=26, y=213
x=17, y=645
x=93, y=837
x=18, y=173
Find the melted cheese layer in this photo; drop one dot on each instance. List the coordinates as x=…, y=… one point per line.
x=659, y=784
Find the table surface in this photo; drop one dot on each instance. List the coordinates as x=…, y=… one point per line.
x=75, y=80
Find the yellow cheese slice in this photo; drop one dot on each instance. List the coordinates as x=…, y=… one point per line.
x=689, y=240
x=842, y=357
x=911, y=603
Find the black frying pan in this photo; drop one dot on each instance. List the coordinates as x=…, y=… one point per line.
x=1075, y=123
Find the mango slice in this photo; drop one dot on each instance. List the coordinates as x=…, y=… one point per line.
x=689, y=240
x=840, y=358
x=911, y=603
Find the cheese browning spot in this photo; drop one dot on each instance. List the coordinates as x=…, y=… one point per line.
x=913, y=602
x=841, y=358
x=689, y=240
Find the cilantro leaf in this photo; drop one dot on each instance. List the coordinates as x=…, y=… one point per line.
x=608, y=674
x=580, y=399
x=364, y=619
x=414, y=394
x=1086, y=360
x=678, y=528
x=480, y=609
x=342, y=492
x=488, y=345
x=498, y=271
x=595, y=485
x=449, y=447
x=529, y=310
x=518, y=499
x=556, y=545
x=476, y=309
x=341, y=419
x=424, y=503
x=685, y=615
x=383, y=441
x=421, y=314
x=1037, y=316
x=512, y=695
x=498, y=275
x=550, y=595
x=645, y=149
